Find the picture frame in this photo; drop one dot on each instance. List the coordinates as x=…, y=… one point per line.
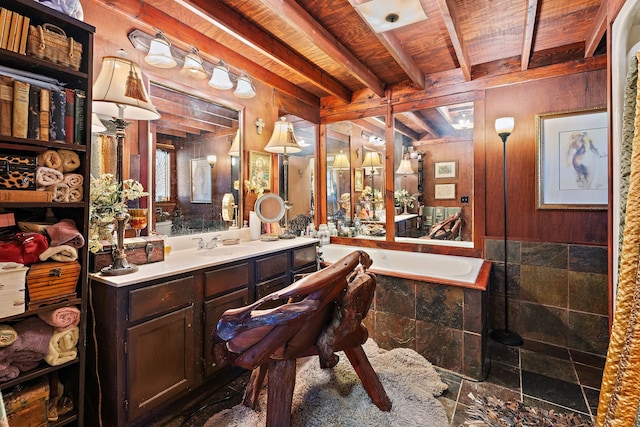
x=572, y=163
x=447, y=169
x=358, y=179
x=200, y=180
x=260, y=170
x=444, y=191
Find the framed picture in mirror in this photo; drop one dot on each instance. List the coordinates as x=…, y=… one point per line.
x=260, y=170
x=200, y=181
x=445, y=191
x=446, y=169
x=358, y=179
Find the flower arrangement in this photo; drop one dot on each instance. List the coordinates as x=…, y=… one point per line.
x=253, y=186
x=375, y=195
x=401, y=197
x=107, y=202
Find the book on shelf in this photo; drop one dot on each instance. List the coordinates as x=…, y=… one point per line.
x=16, y=23
x=33, y=124
x=3, y=26
x=56, y=116
x=80, y=126
x=7, y=29
x=22, y=48
x=69, y=115
x=25, y=196
x=45, y=111
x=20, y=109
x=6, y=104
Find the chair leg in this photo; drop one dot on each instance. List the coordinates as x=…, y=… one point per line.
x=282, y=380
x=254, y=386
x=370, y=380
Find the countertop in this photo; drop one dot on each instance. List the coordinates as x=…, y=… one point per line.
x=185, y=257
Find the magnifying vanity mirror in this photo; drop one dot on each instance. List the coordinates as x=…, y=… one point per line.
x=269, y=208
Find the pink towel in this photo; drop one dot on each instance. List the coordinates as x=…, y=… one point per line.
x=65, y=232
x=62, y=318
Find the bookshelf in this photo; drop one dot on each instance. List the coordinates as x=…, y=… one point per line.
x=71, y=373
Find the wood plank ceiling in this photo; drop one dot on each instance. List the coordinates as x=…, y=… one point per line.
x=324, y=50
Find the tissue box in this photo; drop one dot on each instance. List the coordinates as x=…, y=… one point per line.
x=12, y=290
x=139, y=250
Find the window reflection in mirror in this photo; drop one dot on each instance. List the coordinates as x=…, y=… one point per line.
x=433, y=175
x=190, y=130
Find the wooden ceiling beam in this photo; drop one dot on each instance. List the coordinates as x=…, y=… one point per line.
x=243, y=30
x=451, y=22
x=397, y=51
x=419, y=120
x=406, y=130
x=597, y=30
x=179, y=97
x=171, y=132
x=299, y=19
x=528, y=33
x=196, y=125
x=192, y=112
x=152, y=17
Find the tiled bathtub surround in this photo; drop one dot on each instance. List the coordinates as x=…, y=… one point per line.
x=557, y=293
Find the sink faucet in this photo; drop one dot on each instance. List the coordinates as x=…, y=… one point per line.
x=213, y=242
x=200, y=242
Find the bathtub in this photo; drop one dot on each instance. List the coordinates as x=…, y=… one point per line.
x=435, y=268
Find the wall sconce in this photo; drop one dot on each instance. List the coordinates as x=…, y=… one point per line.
x=372, y=139
x=220, y=77
x=211, y=159
x=244, y=87
x=193, y=65
x=160, y=52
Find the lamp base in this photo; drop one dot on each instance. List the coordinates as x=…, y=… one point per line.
x=287, y=234
x=506, y=337
x=120, y=266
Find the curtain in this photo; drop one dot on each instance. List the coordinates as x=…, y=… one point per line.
x=621, y=378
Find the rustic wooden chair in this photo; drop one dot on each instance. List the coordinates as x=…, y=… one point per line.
x=322, y=314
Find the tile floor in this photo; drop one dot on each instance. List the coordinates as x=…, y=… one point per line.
x=540, y=375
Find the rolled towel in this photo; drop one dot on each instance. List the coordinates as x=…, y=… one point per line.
x=50, y=159
x=73, y=179
x=70, y=160
x=33, y=336
x=62, y=318
x=62, y=253
x=65, y=232
x=62, y=347
x=75, y=194
x=8, y=335
x=9, y=373
x=60, y=192
x=46, y=177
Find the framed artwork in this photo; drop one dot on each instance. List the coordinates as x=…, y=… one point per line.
x=200, y=181
x=445, y=169
x=260, y=170
x=358, y=179
x=572, y=160
x=445, y=191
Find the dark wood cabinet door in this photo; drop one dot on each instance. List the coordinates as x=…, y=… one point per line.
x=160, y=360
x=213, y=309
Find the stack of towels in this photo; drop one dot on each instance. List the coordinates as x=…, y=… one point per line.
x=51, y=336
x=55, y=173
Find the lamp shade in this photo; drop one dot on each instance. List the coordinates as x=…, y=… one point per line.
x=371, y=160
x=244, y=88
x=220, y=78
x=504, y=125
x=119, y=84
x=234, y=150
x=160, y=53
x=341, y=162
x=405, y=168
x=96, y=124
x=283, y=140
x=193, y=65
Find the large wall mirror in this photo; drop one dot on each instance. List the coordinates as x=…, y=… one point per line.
x=190, y=192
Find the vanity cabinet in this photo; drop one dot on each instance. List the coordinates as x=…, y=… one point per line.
x=153, y=337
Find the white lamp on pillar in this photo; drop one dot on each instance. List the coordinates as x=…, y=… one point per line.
x=405, y=169
x=504, y=127
x=119, y=92
x=370, y=163
x=283, y=141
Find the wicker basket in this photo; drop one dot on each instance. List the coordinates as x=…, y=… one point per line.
x=51, y=43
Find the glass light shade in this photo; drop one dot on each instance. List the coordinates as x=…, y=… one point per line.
x=211, y=159
x=234, y=150
x=504, y=125
x=119, y=84
x=96, y=124
x=283, y=140
x=244, y=88
x=220, y=78
x=405, y=168
x=371, y=160
x=193, y=66
x=160, y=53
x=341, y=162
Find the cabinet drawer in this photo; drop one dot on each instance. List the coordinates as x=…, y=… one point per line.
x=265, y=288
x=226, y=279
x=160, y=298
x=271, y=266
x=304, y=256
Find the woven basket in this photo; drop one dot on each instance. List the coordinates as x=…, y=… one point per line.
x=51, y=43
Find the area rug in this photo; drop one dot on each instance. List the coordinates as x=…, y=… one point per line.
x=335, y=397
x=493, y=412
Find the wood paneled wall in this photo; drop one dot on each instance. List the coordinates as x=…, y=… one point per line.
x=524, y=101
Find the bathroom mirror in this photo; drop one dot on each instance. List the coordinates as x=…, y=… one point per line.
x=270, y=208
